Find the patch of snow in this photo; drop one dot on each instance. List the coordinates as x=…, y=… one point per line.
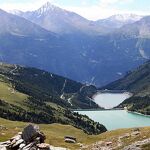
x=126, y=17
x=92, y=81
x=62, y=96
x=143, y=54
x=64, y=85
x=94, y=61
x=18, y=34
x=46, y=8
x=13, y=70
x=69, y=100
x=119, y=73
x=36, y=75
x=40, y=39
x=84, y=54
x=15, y=12
x=34, y=55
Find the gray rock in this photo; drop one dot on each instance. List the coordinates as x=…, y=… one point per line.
x=3, y=148
x=135, y=129
x=70, y=139
x=2, y=127
x=30, y=139
x=5, y=143
x=135, y=133
x=16, y=138
x=22, y=145
x=18, y=143
x=33, y=148
x=43, y=146
x=29, y=146
x=30, y=133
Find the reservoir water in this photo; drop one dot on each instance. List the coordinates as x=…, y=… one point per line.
x=116, y=119
x=110, y=100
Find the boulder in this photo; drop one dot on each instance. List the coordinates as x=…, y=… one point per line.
x=135, y=133
x=42, y=137
x=30, y=139
x=30, y=133
x=22, y=145
x=136, y=129
x=70, y=139
x=109, y=143
x=2, y=127
x=29, y=146
x=43, y=146
x=3, y=148
x=17, y=144
x=67, y=140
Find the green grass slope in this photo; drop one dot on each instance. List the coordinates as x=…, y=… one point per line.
x=32, y=95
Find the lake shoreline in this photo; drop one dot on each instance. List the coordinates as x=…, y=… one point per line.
x=137, y=113
x=117, y=119
x=97, y=109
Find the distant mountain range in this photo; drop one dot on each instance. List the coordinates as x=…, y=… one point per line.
x=55, y=19
x=117, y=21
x=62, y=42
x=60, y=21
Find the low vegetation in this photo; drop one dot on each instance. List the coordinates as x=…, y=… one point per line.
x=33, y=95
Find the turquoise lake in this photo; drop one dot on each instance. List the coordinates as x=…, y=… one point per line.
x=110, y=100
x=116, y=119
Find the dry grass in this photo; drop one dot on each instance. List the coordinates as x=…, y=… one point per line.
x=55, y=134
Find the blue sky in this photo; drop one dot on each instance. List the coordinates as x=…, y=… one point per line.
x=90, y=9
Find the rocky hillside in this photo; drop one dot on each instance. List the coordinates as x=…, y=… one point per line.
x=33, y=95
x=121, y=139
x=137, y=82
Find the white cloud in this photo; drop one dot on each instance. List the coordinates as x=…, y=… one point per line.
x=106, y=3
x=104, y=9
x=99, y=12
x=29, y=5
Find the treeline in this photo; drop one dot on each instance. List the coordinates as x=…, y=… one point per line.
x=138, y=104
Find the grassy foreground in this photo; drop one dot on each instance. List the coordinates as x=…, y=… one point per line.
x=55, y=134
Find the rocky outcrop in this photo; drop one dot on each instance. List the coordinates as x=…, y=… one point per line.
x=31, y=138
x=137, y=145
x=118, y=142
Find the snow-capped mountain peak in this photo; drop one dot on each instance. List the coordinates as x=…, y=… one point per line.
x=126, y=17
x=15, y=12
x=47, y=7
